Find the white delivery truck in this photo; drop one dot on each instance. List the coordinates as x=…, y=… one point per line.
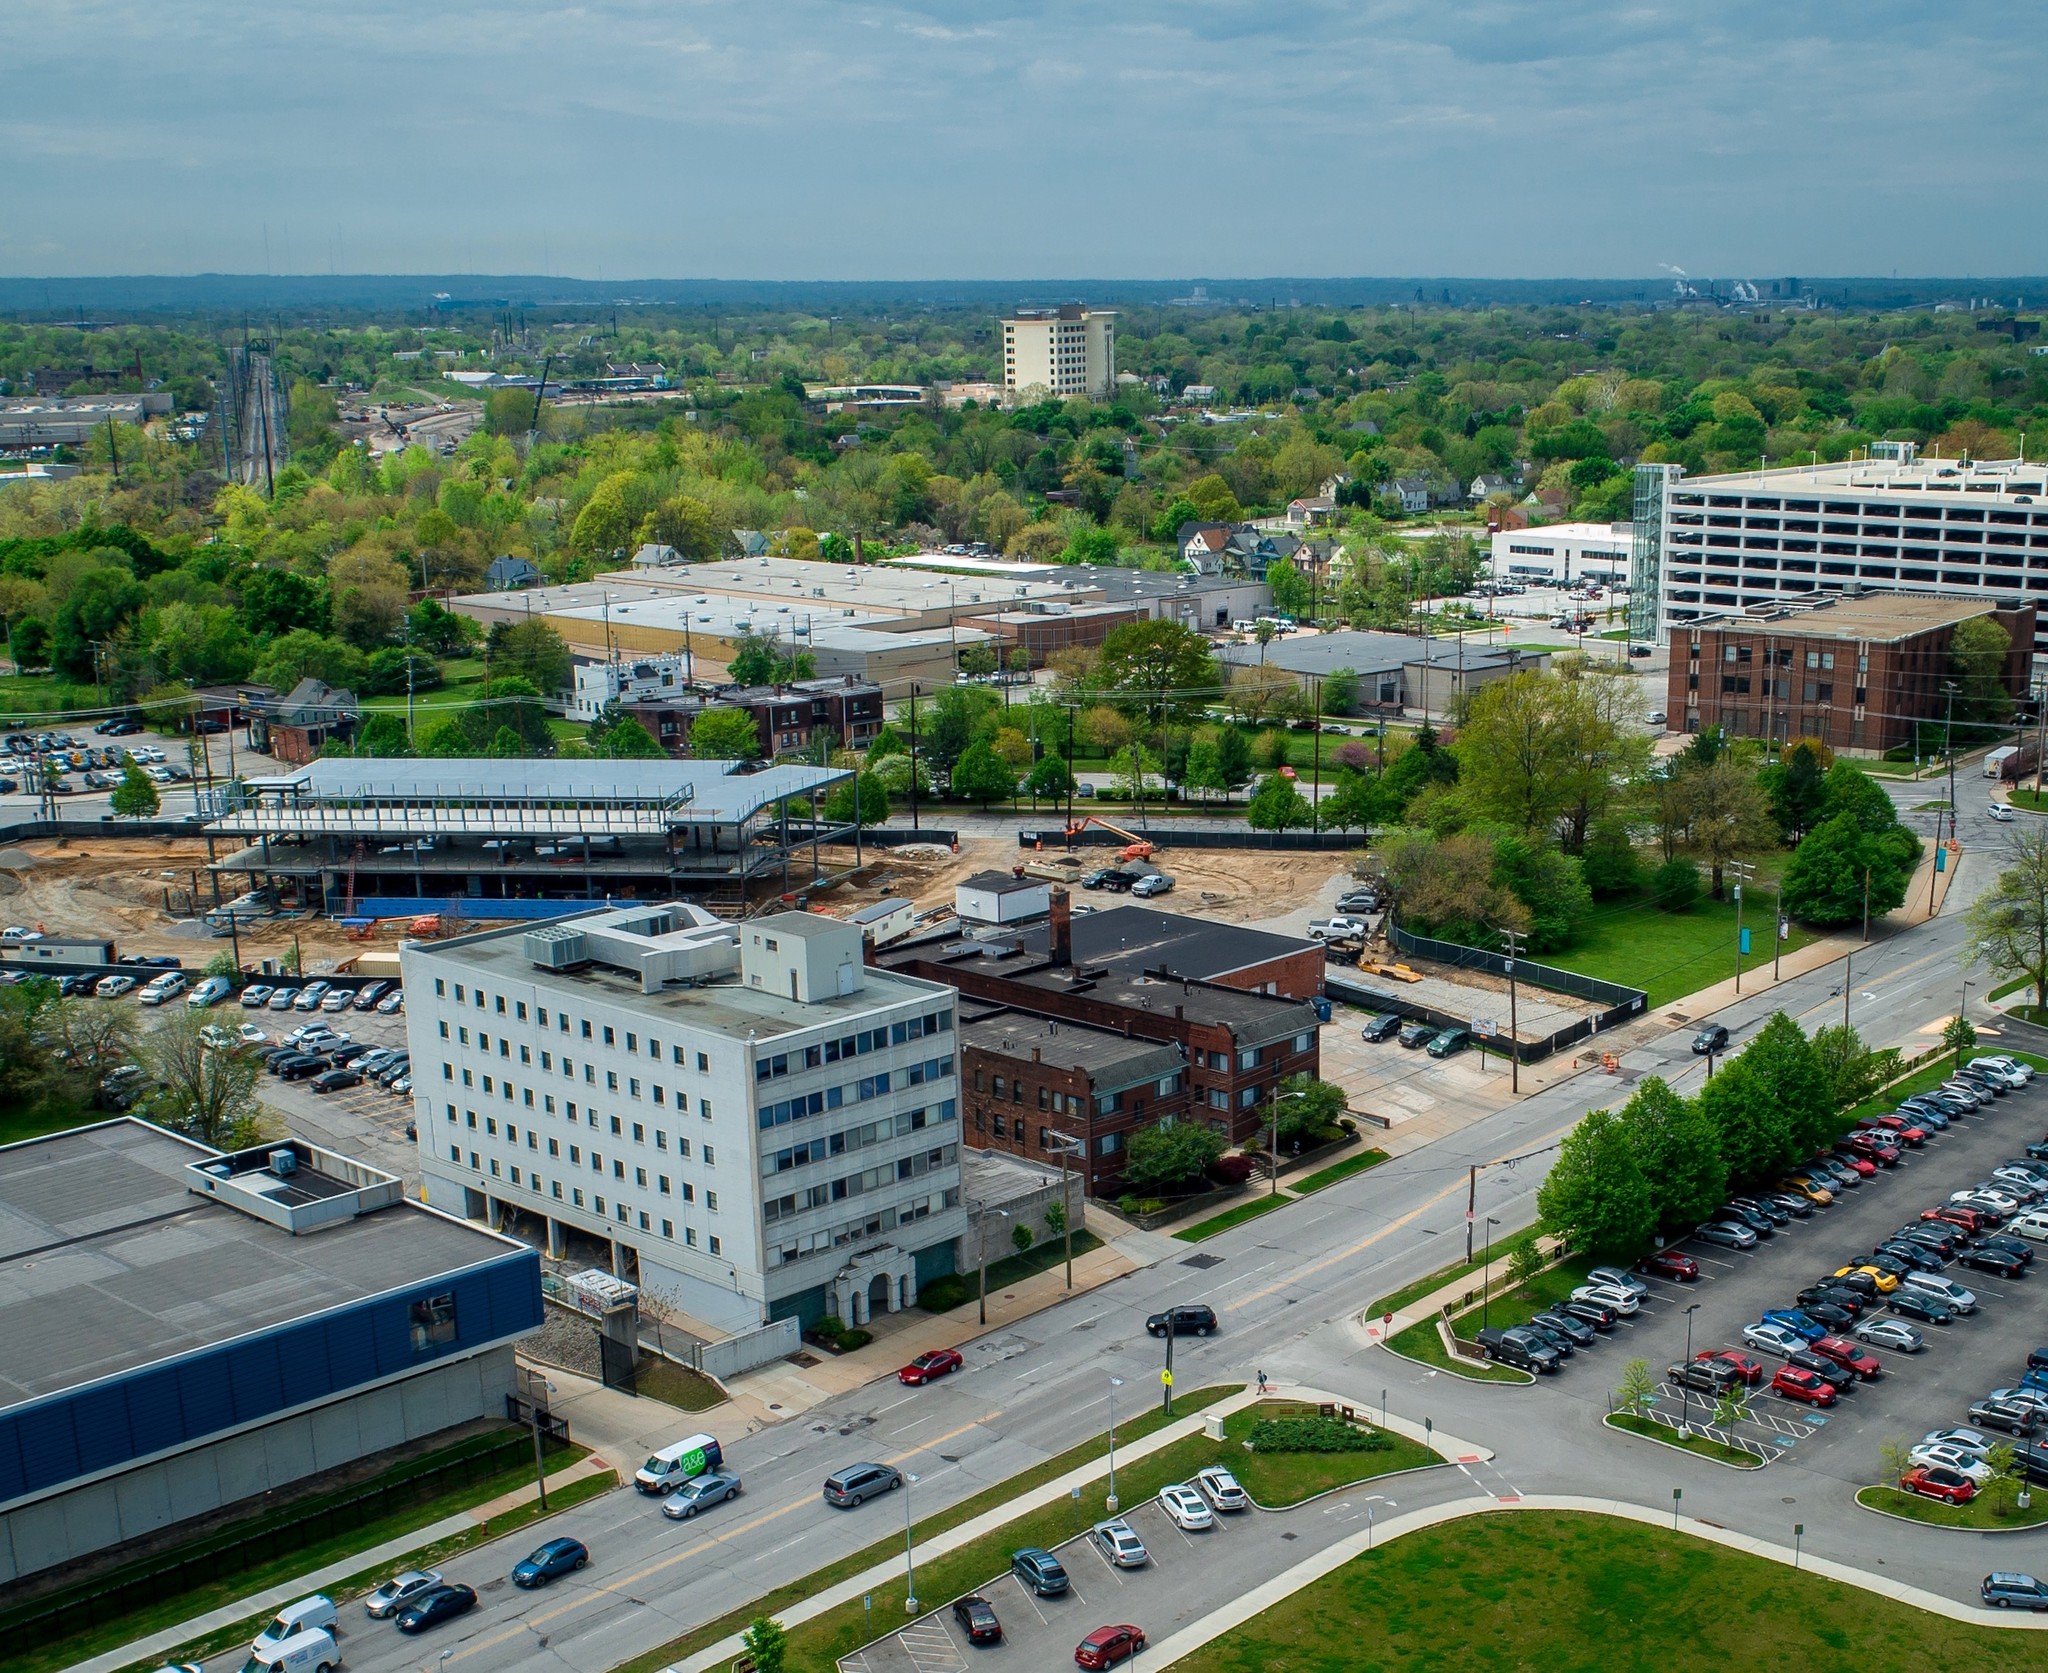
x=1994, y=763
x=673, y=1465
x=311, y=1651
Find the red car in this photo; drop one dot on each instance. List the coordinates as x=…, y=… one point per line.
x=1862, y=1164
x=1968, y=1218
x=1670, y=1264
x=1106, y=1646
x=1849, y=1356
x=1935, y=1481
x=1795, y=1384
x=1915, y=1136
x=1749, y=1370
x=927, y=1366
x=1870, y=1145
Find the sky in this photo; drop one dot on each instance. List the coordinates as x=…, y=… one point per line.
x=971, y=139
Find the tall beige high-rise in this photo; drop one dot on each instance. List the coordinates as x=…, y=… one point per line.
x=1070, y=350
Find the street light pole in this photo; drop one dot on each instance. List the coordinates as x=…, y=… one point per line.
x=1115, y=1383
x=1685, y=1389
x=1065, y=1143
x=1513, y=939
x=909, y=1554
x=981, y=1251
x=1273, y=1175
x=1742, y=870
x=1486, y=1275
x=540, y=1475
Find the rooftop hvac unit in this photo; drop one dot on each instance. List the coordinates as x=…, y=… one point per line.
x=284, y=1163
x=556, y=947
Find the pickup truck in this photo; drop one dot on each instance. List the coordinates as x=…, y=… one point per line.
x=1337, y=929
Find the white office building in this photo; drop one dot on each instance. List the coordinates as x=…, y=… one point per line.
x=1710, y=544
x=1562, y=553
x=749, y=1120
x=1063, y=351
x=640, y=679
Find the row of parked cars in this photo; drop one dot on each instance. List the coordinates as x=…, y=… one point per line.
x=333, y=1062
x=1438, y=1042
x=387, y=998
x=1608, y=1295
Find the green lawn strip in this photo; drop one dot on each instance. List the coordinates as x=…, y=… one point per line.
x=2035, y=1014
x=1979, y=1513
x=1926, y=1079
x=1518, y=1305
x=2028, y=800
x=136, y=1623
x=1339, y=1170
x=1422, y=1342
x=1704, y=1445
x=677, y=1385
x=781, y=1598
x=1445, y=1276
x=1574, y=1593
x=1271, y=1479
x=1231, y=1217
x=1042, y=1256
x=18, y=1124
x=2012, y=986
x=1671, y=954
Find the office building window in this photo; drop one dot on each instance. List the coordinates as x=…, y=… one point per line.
x=432, y=1322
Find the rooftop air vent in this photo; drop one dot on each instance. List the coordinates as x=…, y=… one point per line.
x=557, y=947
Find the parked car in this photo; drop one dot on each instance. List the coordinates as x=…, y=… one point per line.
x=1621, y=1300
x=160, y=989
x=1575, y=1331
x=1039, y=1572
x=256, y=996
x=209, y=992
x=1773, y=1339
x=1619, y=1279
x=1418, y=1034
x=549, y=1562
x=1996, y=1262
x=976, y=1617
x=1749, y=1370
x=1795, y=1384
x=1197, y=1319
x=336, y=1080
x=113, y=987
x=1727, y=1233
x=335, y=999
x=1595, y=1313
x=1380, y=1028
x=1106, y=1646
x=2003, y=1590
x=435, y=1605
x=1669, y=1263
x=281, y=998
x=1147, y=888
x=927, y=1367
x=1944, y=1455
x=1885, y=1282
x=1933, y=1481
x=392, y=1003
x=1850, y=1357
x=1840, y=1377
x=1706, y=1375
x=1450, y=1042
x=1221, y=1488
x=1917, y=1304
x=308, y=997
x=1185, y=1508
x=1119, y=1544
x=1522, y=1352
x=2010, y=1416
x=370, y=992
x=1890, y=1333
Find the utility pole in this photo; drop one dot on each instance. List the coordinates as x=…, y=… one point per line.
x=1848, y=976
x=1471, y=1204
x=913, y=759
x=1778, y=912
x=1866, y=903
x=1513, y=939
x=1948, y=745
x=2040, y=696
x=1742, y=870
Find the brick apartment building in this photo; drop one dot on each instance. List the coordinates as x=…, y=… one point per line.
x=1861, y=671
x=843, y=713
x=1026, y=1079
x=1137, y=939
x=1236, y=1042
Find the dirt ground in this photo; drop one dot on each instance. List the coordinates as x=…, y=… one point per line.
x=1233, y=886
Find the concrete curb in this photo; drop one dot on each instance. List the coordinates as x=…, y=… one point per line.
x=1608, y=1422
x=1252, y=1603
x=1942, y=1527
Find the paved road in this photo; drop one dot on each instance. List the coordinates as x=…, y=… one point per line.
x=1287, y=1288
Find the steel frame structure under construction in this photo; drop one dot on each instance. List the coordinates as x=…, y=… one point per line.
x=377, y=837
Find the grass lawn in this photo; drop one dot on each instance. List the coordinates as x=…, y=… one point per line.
x=1230, y=1217
x=1444, y=1276
x=2012, y=986
x=1670, y=954
x=1271, y=1479
x=1569, y=1593
x=1421, y=1341
x=2025, y=799
x=1048, y=1252
x=39, y=694
x=137, y=1622
x=781, y=1598
x=677, y=1385
x=1704, y=1445
x=19, y=1124
x=1978, y=1513
x=1340, y=1170
x=1931, y=1076
x=1518, y=1305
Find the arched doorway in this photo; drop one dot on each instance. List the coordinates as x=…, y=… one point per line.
x=879, y=1294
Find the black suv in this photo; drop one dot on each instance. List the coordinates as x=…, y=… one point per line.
x=1198, y=1320
x=1380, y=1028
x=1711, y=1038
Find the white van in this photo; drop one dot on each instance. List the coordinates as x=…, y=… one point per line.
x=309, y=1614
x=668, y=1469
x=311, y=1651
x=209, y=992
x=2032, y=1225
x=1962, y=1300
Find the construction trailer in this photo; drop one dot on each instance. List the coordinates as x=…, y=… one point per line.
x=510, y=839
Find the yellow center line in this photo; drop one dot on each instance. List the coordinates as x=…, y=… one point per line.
x=1391, y=1226
x=627, y=1582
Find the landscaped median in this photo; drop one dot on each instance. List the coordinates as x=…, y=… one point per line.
x=1424, y=1343
x=1981, y=1515
x=1297, y=1455
x=1703, y=1446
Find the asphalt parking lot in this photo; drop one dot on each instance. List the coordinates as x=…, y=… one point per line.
x=1187, y=1576
x=1932, y=1389
x=364, y=1121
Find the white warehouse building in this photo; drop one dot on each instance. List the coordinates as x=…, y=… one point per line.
x=1560, y=553
x=755, y=1123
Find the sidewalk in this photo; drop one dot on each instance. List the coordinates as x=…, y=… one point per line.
x=721, y=1654
x=158, y=1645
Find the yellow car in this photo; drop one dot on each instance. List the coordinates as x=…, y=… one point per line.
x=1886, y=1282
x=1811, y=1189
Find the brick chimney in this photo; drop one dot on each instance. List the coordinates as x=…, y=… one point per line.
x=1061, y=945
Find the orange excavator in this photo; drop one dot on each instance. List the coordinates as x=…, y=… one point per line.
x=1138, y=848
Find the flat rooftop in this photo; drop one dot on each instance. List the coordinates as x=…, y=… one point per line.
x=880, y=588
x=1101, y=1052
x=1373, y=653
x=109, y=1263
x=1973, y=481
x=1874, y=617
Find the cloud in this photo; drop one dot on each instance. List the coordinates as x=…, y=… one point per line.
x=983, y=138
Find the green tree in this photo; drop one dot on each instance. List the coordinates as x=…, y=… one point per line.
x=1525, y=1261
x=1233, y=758
x=1356, y=802
x=955, y=718
x=302, y=654
x=1595, y=1195
x=1169, y=1157
x=1158, y=669
x=754, y=660
x=2008, y=1473
x=1610, y=865
x=1895, y=1458
x=1134, y=767
x=872, y=804
x=2008, y=925
x=1797, y=788
x=1675, y=886
x=1340, y=693
x=687, y=524
x=531, y=651
x=1825, y=880
x=767, y=1645
x=28, y=642
x=1637, y=1385
x=1977, y=654
x=1278, y=806
x=1756, y=1136
x=981, y=775
x=1022, y=1237
x=1727, y=815
x=209, y=1095
x=1783, y=1057
x=1212, y=500
x=1205, y=765
x=1307, y=1107
x=725, y=735
x=382, y=736
x=135, y=797
x=618, y=736
x=979, y=661
x=1514, y=758
x=1678, y=1150
x=1958, y=1035
x=1049, y=779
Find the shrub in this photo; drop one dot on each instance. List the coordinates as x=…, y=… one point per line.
x=851, y=1339
x=942, y=1295
x=1231, y=1170
x=1314, y=1434
x=1676, y=886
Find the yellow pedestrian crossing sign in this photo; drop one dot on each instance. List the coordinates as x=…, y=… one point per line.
x=1166, y=1378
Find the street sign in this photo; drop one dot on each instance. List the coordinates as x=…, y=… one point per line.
x=1166, y=1379
x=1484, y=1028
